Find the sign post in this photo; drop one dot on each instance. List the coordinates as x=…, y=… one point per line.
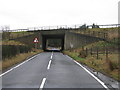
x=36, y=42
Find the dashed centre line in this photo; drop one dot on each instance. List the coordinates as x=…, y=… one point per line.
x=42, y=84
x=49, y=64
x=48, y=67
x=51, y=56
x=50, y=61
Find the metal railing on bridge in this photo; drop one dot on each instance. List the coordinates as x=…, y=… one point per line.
x=60, y=27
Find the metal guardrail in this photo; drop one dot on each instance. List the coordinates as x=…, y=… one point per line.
x=67, y=27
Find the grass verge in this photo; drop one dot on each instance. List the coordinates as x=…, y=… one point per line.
x=108, y=67
x=9, y=62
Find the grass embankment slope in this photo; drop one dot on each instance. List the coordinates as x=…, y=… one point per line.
x=112, y=33
x=18, y=57
x=109, y=65
x=23, y=37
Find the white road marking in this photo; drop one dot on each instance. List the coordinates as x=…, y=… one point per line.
x=42, y=84
x=49, y=65
x=92, y=75
x=51, y=56
x=69, y=57
x=17, y=66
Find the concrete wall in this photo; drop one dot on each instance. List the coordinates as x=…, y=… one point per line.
x=28, y=40
x=74, y=40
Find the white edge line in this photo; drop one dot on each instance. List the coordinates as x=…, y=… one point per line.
x=49, y=64
x=92, y=75
x=42, y=84
x=17, y=66
x=69, y=57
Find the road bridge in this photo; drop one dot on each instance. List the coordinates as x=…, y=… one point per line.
x=62, y=34
x=68, y=39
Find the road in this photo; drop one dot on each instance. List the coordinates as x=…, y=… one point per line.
x=49, y=70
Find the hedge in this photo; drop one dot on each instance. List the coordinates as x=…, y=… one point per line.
x=12, y=50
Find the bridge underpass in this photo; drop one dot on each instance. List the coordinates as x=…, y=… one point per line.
x=50, y=41
x=66, y=40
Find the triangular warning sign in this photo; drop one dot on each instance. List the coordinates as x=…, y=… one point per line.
x=36, y=40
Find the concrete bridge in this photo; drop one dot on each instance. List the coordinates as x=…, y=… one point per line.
x=69, y=40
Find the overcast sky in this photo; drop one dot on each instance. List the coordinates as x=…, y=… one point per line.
x=33, y=13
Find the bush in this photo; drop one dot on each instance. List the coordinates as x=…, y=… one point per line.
x=83, y=54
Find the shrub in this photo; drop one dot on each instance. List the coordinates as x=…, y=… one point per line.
x=83, y=54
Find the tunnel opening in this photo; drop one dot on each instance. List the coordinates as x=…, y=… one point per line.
x=53, y=42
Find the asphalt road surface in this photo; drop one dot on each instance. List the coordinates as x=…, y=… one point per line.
x=49, y=70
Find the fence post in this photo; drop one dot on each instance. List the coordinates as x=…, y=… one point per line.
x=89, y=33
x=82, y=48
x=97, y=53
x=86, y=52
x=107, y=36
x=106, y=53
x=98, y=34
x=104, y=36
x=91, y=51
x=113, y=40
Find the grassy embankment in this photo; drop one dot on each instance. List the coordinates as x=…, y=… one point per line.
x=112, y=33
x=12, y=35
x=20, y=55
x=109, y=65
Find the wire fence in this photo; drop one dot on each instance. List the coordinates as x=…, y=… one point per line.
x=99, y=51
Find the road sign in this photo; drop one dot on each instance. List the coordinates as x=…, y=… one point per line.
x=36, y=40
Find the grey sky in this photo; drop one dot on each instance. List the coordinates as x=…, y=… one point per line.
x=119, y=12
x=31, y=13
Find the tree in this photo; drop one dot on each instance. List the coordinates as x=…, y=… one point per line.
x=95, y=26
x=6, y=32
x=83, y=26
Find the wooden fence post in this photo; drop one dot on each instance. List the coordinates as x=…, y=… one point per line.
x=97, y=53
x=91, y=51
x=98, y=34
x=104, y=36
x=107, y=36
x=86, y=52
x=114, y=40
x=106, y=53
x=89, y=32
x=82, y=48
